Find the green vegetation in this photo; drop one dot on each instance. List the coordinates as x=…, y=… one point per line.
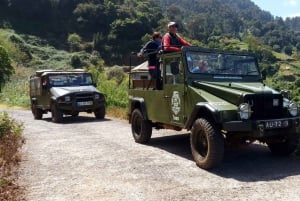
x=10, y=141
x=99, y=33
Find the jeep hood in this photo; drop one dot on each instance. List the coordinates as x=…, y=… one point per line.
x=61, y=91
x=233, y=92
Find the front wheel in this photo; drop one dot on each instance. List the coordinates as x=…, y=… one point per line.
x=57, y=114
x=100, y=113
x=287, y=145
x=140, y=127
x=207, y=144
x=37, y=112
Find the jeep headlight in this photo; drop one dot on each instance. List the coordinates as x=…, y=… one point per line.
x=97, y=96
x=67, y=98
x=293, y=109
x=245, y=111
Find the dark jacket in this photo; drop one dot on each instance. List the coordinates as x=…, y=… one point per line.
x=150, y=49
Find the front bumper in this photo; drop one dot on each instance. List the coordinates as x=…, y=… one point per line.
x=262, y=128
x=83, y=106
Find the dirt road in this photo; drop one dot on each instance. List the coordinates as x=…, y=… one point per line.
x=86, y=159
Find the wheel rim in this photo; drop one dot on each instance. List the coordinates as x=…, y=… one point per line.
x=200, y=143
x=137, y=125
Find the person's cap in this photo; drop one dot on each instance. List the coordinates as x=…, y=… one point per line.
x=172, y=24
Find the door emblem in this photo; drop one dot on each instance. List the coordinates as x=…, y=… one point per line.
x=175, y=104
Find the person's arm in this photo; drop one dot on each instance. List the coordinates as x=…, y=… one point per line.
x=183, y=42
x=167, y=46
x=144, y=49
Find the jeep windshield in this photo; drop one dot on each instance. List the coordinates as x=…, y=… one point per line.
x=222, y=65
x=76, y=79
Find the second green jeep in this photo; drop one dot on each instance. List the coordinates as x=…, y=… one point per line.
x=65, y=92
x=226, y=103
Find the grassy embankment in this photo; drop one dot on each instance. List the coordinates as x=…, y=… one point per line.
x=29, y=53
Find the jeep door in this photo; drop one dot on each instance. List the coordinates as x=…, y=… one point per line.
x=45, y=97
x=174, y=91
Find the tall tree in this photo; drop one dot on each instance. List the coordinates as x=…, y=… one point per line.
x=6, y=69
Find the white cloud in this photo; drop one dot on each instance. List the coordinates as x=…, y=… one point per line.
x=291, y=2
x=294, y=15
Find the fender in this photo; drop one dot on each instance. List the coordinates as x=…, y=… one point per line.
x=33, y=100
x=137, y=102
x=203, y=110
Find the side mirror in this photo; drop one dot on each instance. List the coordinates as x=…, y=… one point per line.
x=175, y=67
x=264, y=74
x=286, y=94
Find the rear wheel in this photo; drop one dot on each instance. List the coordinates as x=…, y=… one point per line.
x=37, y=112
x=57, y=114
x=207, y=144
x=287, y=145
x=140, y=127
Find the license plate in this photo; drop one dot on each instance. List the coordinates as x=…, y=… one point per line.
x=85, y=103
x=276, y=124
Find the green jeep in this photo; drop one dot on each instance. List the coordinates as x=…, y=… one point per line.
x=228, y=103
x=64, y=92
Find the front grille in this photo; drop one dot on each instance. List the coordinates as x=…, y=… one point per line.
x=81, y=97
x=265, y=106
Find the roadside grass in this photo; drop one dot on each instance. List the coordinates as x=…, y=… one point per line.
x=11, y=141
x=117, y=112
x=16, y=91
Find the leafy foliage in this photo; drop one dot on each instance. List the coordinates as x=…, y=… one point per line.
x=114, y=89
x=114, y=28
x=6, y=69
x=99, y=32
x=10, y=142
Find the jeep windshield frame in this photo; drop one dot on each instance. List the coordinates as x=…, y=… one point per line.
x=213, y=65
x=69, y=79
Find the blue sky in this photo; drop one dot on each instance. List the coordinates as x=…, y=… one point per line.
x=280, y=8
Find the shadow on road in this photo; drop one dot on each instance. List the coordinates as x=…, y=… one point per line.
x=249, y=164
x=78, y=119
x=175, y=144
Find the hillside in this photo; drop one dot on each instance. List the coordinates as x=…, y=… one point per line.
x=116, y=28
x=76, y=34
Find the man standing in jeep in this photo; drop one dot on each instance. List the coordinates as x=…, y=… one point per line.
x=229, y=104
x=172, y=42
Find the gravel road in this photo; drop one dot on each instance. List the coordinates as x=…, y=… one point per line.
x=85, y=159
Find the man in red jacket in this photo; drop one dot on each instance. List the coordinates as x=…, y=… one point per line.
x=171, y=41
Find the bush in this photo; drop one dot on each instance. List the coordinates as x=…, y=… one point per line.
x=6, y=69
x=75, y=61
x=116, y=92
x=16, y=92
x=10, y=141
x=116, y=73
x=74, y=41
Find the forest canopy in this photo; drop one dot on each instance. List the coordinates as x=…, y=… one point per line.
x=114, y=28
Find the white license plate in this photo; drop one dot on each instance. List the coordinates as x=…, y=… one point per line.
x=85, y=103
x=276, y=124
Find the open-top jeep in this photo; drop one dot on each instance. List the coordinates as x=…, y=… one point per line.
x=228, y=103
x=65, y=92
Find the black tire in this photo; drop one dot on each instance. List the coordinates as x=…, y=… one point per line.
x=37, y=112
x=207, y=144
x=141, y=128
x=56, y=113
x=75, y=114
x=100, y=113
x=286, y=147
